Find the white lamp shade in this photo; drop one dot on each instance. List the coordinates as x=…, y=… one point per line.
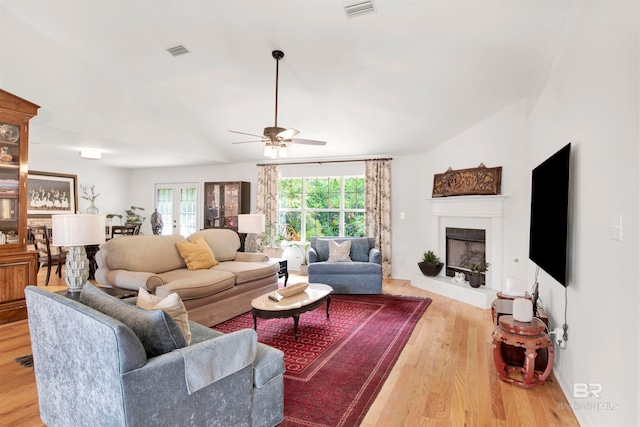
x=78, y=230
x=251, y=223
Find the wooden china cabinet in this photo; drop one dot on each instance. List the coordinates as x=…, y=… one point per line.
x=18, y=267
x=223, y=201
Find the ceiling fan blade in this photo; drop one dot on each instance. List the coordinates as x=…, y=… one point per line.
x=288, y=133
x=244, y=133
x=307, y=141
x=246, y=142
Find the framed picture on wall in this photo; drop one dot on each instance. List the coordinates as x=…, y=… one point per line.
x=51, y=193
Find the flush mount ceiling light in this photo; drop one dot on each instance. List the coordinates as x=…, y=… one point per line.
x=91, y=154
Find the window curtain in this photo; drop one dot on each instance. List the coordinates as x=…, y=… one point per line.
x=378, y=208
x=267, y=203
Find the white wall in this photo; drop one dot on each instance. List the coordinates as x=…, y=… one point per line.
x=497, y=141
x=113, y=184
x=591, y=100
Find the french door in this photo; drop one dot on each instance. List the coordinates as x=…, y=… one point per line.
x=177, y=204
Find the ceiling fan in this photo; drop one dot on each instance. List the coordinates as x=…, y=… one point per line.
x=276, y=138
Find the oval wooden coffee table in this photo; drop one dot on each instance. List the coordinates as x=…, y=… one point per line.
x=293, y=306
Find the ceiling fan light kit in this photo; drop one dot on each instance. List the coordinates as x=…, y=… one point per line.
x=275, y=138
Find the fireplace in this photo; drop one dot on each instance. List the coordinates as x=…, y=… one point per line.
x=470, y=212
x=464, y=246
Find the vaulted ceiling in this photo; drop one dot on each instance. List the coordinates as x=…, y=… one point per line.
x=397, y=81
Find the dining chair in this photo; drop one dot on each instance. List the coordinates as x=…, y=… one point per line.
x=125, y=230
x=48, y=254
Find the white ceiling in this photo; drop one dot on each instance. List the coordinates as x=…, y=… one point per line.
x=395, y=82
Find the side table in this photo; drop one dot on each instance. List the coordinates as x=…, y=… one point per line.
x=114, y=292
x=528, y=335
x=283, y=271
x=503, y=306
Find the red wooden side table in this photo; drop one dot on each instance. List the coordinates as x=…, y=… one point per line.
x=530, y=336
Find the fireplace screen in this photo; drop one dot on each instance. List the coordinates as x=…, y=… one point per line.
x=464, y=246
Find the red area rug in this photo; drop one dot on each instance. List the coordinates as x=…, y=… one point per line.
x=337, y=366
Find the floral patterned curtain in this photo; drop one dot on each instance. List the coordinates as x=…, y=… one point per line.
x=267, y=195
x=378, y=208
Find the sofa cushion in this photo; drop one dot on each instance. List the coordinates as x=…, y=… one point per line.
x=171, y=304
x=223, y=242
x=248, y=271
x=339, y=252
x=197, y=254
x=155, y=329
x=360, y=247
x=193, y=284
x=153, y=254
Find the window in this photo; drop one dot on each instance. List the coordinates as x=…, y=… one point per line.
x=322, y=206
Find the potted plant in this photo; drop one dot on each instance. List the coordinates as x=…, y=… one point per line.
x=477, y=273
x=430, y=264
x=133, y=217
x=272, y=241
x=305, y=259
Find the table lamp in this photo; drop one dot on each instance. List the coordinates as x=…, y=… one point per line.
x=251, y=224
x=76, y=231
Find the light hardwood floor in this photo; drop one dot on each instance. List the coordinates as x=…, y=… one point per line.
x=445, y=375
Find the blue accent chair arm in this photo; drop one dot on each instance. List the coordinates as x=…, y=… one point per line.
x=313, y=255
x=375, y=256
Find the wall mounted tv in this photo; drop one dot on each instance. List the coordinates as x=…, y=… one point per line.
x=549, y=229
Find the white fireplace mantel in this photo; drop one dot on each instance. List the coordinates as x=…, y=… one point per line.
x=468, y=206
x=478, y=212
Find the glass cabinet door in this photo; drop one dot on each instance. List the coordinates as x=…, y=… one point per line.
x=213, y=206
x=231, y=205
x=10, y=139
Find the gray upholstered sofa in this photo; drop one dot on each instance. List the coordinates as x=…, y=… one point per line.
x=362, y=275
x=94, y=370
x=212, y=295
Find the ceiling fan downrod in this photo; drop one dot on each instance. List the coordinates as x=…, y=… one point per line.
x=277, y=55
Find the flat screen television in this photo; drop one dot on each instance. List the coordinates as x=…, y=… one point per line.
x=549, y=229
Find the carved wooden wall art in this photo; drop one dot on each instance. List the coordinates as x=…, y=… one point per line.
x=465, y=182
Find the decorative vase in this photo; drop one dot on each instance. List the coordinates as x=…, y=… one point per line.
x=93, y=209
x=475, y=280
x=156, y=222
x=430, y=269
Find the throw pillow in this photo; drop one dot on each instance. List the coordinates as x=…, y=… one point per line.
x=197, y=254
x=339, y=252
x=155, y=329
x=171, y=304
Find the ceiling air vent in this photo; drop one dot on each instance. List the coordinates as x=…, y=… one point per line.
x=360, y=8
x=177, y=50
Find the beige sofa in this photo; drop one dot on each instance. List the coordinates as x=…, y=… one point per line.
x=212, y=295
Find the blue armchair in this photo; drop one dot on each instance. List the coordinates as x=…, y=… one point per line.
x=93, y=369
x=362, y=275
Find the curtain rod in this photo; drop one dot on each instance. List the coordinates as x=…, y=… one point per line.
x=319, y=162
